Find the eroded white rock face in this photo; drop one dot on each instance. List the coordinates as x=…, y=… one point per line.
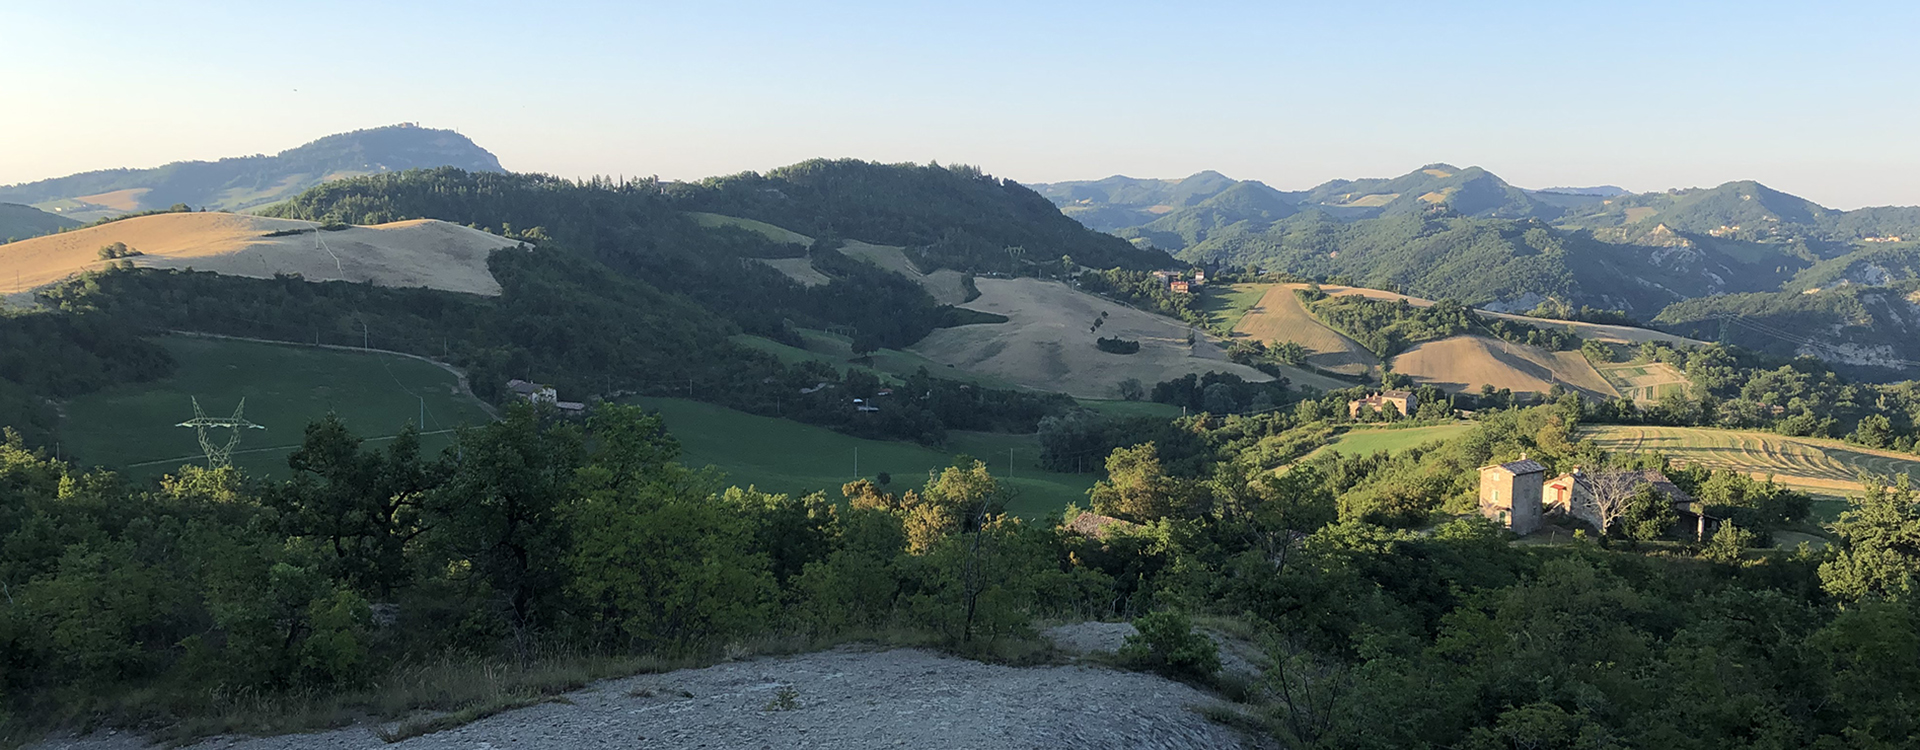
x=846, y=698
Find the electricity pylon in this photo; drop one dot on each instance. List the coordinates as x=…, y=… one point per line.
x=219, y=455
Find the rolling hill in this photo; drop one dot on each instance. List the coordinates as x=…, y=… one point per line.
x=18, y=222
x=240, y=183
x=417, y=253
x=1682, y=258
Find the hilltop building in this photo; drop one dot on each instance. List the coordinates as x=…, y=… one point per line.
x=1179, y=287
x=1510, y=494
x=1405, y=401
x=1570, y=493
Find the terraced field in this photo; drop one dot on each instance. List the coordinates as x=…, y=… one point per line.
x=1828, y=469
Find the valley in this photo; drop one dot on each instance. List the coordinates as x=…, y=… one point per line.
x=866, y=415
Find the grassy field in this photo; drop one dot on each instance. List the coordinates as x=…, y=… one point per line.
x=1226, y=304
x=131, y=427
x=1827, y=469
x=777, y=234
x=1280, y=316
x=779, y=455
x=1644, y=382
x=1366, y=440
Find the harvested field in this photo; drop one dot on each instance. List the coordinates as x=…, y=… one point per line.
x=945, y=284
x=1609, y=333
x=1828, y=469
x=1281, y=316
x=798, y=269
x=1046, y=344
x=418, y=253
x=118, y=200
x=1367, y=201
x=1465, y=363
x=1644, y=383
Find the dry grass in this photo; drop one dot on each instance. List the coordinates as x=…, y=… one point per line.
x=945, y=284
x=1367, y=201
x=1608, y=333
x=1465, y=363
x=1281, y=316
x=118, y=200
x=1046, y=343
x=418, y=253
x=1829, y=469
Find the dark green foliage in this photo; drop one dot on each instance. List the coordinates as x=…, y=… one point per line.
x=47, y=355
x=1117, y=345
x=952, y=217
x=18, y=222
x=1222, y=393
x=1166, y=643
x=1388, y=328
x=1143, y=290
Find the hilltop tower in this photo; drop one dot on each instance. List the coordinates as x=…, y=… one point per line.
x=1510, y=494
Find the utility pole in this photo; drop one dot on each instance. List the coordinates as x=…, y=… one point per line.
x=365, y=338
x=422, y=424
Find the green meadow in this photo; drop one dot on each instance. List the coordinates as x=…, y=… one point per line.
x=131, y=427
x=778, y=455
x=1367, y=440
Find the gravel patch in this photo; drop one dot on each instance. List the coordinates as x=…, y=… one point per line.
x=844, y=698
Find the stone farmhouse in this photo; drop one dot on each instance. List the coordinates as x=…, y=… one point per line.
x=1405, y=401
x=1510, y=494
x=1571, y=493
x=1519, y=496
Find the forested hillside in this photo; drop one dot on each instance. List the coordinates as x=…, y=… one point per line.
x=948, y=217
x=243, y=182
x=18, y=222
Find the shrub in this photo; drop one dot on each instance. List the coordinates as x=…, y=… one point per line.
x=1167, y=644
x=1117, y=345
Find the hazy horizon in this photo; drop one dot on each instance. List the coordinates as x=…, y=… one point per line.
x=1637, y=94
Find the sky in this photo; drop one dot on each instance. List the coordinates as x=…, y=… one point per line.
x=1812, y=98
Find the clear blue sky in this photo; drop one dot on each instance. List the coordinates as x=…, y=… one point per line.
x=1815, y=99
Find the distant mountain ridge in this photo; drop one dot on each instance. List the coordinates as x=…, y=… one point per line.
x=240, y=183
x=1682, y=257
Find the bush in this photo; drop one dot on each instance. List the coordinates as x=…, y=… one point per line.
x=1167, y=644
x=1117, y=345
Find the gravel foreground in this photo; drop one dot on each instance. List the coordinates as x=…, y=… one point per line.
x=845, y=698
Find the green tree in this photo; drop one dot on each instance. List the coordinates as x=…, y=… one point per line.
x=1878, y=555
x=1136, y=487
x=497, y=514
